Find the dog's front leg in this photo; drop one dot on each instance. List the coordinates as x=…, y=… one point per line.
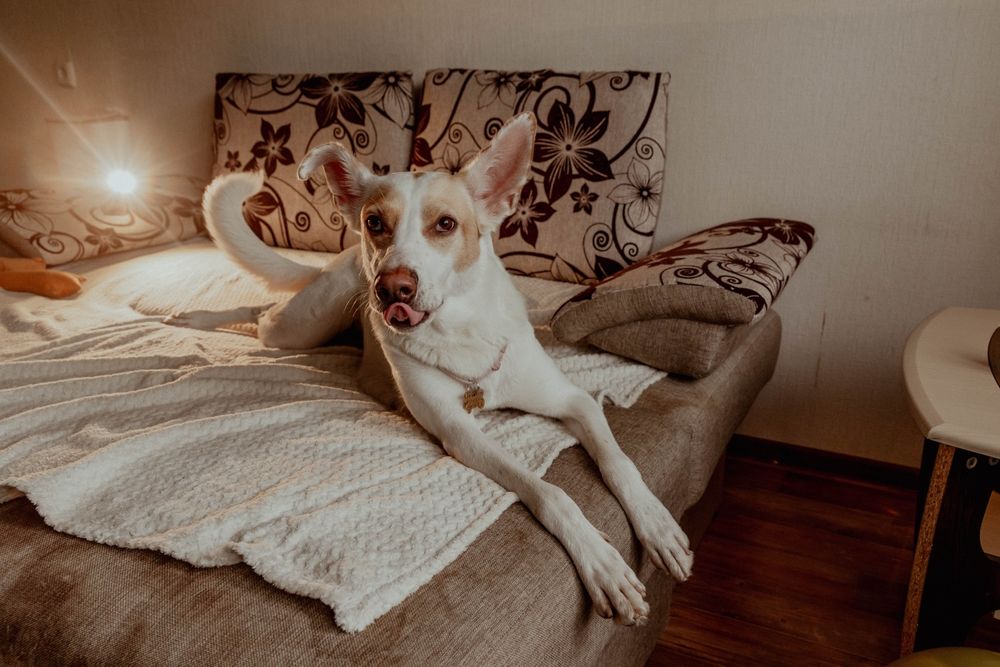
x=209, y=320
x=614, y=588
x=543, y=389
x=323, y=308
x=654, y=525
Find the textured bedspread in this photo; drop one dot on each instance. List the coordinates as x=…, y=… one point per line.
x=210, y=448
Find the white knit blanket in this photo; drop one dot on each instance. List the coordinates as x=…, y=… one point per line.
x=210, y=448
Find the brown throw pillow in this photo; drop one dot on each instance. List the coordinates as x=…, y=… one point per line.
x=681, y=309
x=593, y=202
x=269, y=122
x=70, y=224
x=684, y=347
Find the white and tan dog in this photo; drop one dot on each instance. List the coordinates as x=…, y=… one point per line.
x=455, y=333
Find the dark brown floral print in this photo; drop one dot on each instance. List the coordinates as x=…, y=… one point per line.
x=753, y=258
x=233, y=161
x=268, y=122
x=256, y=209
x=598, y=133
x=527, y=214
x=566, y=145
x=25, y=211
x=421, y=155
x=453, y=161
x=497, y=86
x=189, y=209
x=105, y=238
x=238, y=88
x=532, y=81
x=336, y=97
x=583, y=200
x=392, y=96
x=640, y=195
x=271, y=148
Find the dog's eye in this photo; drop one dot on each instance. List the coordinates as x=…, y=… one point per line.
x=373, y=223
x=446, y=225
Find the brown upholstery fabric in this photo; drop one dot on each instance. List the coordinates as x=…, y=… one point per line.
x=593, y=202
x=512, y=599
x=268, y=122
x=580, y=316
x=687, y=347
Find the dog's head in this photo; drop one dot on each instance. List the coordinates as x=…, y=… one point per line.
x=424, y=234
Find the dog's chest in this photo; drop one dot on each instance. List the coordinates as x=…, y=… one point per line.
x=495, y=391
x=480, y=393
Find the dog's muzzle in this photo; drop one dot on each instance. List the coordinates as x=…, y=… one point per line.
x=395, y=290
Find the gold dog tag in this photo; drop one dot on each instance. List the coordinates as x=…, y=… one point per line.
x=474, y=398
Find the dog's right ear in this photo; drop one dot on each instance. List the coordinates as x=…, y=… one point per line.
x=345, y=176
x=496, y=175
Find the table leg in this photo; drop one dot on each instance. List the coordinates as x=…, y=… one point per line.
x=949, y=584
x=927, y=459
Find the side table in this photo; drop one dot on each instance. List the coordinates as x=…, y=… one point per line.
x=956, y=402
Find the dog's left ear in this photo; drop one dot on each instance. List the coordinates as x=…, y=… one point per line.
x=345, y=176
x=496, y=175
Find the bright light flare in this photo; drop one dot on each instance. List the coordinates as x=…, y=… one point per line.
x=121, y=181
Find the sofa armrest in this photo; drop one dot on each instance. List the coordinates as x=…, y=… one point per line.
x=723, y=277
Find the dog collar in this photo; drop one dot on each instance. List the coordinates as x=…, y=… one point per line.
x=474, y=397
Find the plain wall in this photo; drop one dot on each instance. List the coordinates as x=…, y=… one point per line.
x=879, y=122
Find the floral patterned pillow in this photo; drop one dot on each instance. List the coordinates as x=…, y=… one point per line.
x=727, y=275
x=67, y=225
x=270, y=121
x=593, y=202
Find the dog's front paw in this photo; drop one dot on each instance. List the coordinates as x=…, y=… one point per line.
x=612, y=585
x=664, y=540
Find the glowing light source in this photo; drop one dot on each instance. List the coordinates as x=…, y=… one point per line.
x=121, y=181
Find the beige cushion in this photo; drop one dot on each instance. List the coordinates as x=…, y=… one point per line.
x=270, y=121
x=593, y=202
x=680, y=308
x=75, y=223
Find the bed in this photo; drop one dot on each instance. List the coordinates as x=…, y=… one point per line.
x=511, y=597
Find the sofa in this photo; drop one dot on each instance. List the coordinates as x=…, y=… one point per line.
x=698, y=311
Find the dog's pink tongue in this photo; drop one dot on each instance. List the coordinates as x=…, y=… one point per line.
x=399, y=313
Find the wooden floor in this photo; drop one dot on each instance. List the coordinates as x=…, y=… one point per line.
x=798, y=568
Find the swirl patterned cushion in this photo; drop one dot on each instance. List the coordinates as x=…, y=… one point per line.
x=270, y=121
x=70, y=224
x=593, y=202
x=682, y=308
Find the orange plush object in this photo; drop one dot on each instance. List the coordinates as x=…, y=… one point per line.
x=30, y=275
x=22, y=264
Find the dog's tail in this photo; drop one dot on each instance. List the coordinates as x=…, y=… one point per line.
x=223, y=204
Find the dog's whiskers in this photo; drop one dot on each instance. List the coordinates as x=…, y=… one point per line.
x=356, y=304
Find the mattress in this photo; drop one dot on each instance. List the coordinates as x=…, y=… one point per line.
x=512, y=598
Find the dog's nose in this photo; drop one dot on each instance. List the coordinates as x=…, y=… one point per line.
x=399, y=284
